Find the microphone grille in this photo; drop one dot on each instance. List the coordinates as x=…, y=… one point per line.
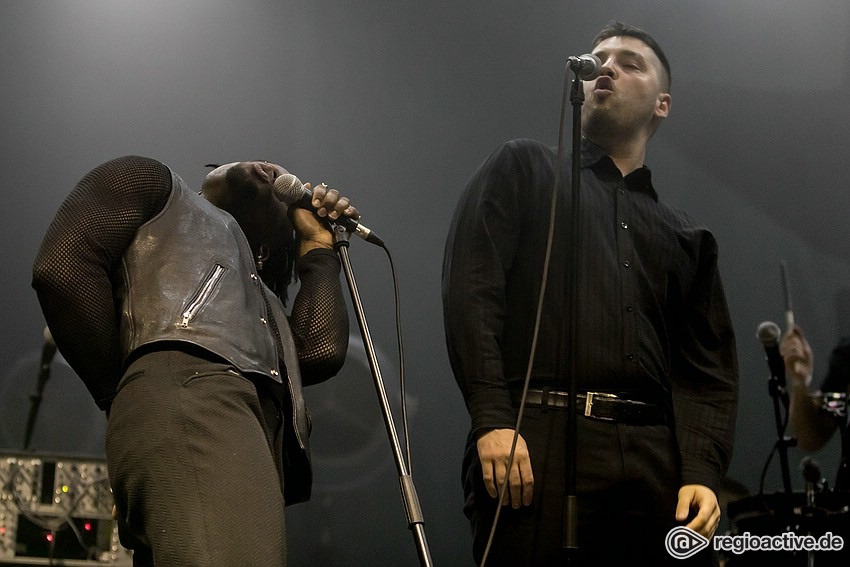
x=288, y=188
x=768, y=333
x=592, y=69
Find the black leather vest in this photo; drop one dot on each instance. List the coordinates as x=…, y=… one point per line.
x=189, y=276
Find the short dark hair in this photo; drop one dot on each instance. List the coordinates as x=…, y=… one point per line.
x=615, y=29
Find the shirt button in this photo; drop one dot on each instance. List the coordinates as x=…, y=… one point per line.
x=627, y=263
x=630, y=308
x=274, y=372
x=263, y=320
x=624, y=224
x=630, y=356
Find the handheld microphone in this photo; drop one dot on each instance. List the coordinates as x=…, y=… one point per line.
x=290, y=190
x=587, y=67
x=768, y=333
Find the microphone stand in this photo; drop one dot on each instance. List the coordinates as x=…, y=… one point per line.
x=779, y=394
x=570, y=537
x=408, y=490
x=48, y=350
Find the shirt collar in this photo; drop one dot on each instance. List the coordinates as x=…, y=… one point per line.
x=639, y=180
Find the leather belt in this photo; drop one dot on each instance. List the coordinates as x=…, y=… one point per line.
x=603, y=406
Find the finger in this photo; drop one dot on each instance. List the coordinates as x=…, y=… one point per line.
x=515, y=487
x=327, y=204
x=527, y=482
x=352, y=212
x=339, y=208
x=330, y=198
x=715, y=522
x=487, y=474
x=705, y=525
x=683, y=508
x=501, y=478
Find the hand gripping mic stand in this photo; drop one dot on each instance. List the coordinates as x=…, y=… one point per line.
x=408, y=490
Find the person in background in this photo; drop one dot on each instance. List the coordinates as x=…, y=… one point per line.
x=814, y=426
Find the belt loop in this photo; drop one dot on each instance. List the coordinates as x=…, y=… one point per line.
x=544, y=400
x=588, y=404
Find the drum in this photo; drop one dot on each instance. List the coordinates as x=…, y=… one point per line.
x=835, y=403
x=775, y=515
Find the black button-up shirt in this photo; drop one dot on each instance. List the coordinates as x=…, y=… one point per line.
x=652, y=315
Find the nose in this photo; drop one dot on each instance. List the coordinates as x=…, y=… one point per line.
x=608, y=68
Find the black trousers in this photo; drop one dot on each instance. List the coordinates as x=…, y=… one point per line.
x=627, y=486
x=193, y=451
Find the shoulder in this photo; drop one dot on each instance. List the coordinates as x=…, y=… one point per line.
x=526, y=148
x=517, y=159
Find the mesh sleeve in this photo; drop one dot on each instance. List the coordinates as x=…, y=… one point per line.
x=319, y=318
x=83, y=246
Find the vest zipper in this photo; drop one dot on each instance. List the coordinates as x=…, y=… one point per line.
x=200, y=298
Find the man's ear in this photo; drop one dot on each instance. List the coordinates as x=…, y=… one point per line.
x=662, y=107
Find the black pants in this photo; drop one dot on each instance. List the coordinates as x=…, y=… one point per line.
x=627, y=486
x=193, y=451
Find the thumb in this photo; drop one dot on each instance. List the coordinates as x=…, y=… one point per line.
x=683, y=508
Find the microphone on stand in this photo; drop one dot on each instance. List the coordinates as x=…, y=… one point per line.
x=587, y=66
x=289, y=189
x=768, y=333
x=48, y=351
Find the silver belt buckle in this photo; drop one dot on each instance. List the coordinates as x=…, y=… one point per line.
x=588, y=403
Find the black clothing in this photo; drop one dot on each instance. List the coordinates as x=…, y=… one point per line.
x=653, y=311
x=81, y=264
x=652, y=315
x=194, y=460
x=628, y=479
x=137, y=269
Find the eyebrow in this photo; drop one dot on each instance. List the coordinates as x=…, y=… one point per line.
x=623, y=52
